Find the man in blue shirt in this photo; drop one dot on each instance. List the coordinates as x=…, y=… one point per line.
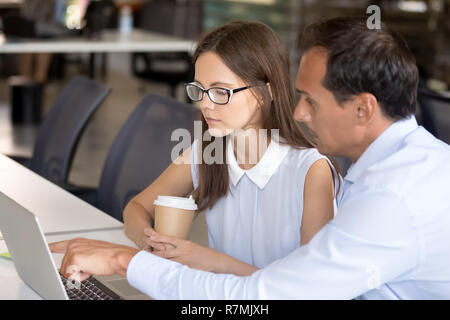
x=390, y=238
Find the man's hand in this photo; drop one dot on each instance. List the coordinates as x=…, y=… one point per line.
x=93, y=257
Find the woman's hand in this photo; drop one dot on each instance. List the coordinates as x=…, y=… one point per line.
x=145, y=243
x=183, y=251
x=85, y=257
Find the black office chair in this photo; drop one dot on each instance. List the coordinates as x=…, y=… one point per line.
x=173, y=17
x=61, y=129
x=140, y=152
x=435, y=112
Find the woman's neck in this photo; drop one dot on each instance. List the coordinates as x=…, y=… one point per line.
x=249, y=146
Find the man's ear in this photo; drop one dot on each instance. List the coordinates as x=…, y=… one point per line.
x=365, y=106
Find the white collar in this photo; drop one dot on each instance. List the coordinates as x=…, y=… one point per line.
x=261, y=173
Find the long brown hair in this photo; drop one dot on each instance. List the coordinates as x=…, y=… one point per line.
x=255, y=53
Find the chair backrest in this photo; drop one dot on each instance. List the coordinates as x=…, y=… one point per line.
x=142, y=150
x=435, y=109
x=61, y=128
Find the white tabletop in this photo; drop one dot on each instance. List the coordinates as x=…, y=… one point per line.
x=57, y=210
x=11, y=285
x=110, y=41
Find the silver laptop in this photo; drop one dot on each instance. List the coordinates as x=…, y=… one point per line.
x=34, y=262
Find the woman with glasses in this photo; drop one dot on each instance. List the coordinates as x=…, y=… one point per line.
x=258, y=209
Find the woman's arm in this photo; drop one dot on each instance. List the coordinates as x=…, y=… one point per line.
x=228, y=264
x=139, y=214
x=196, y=256
x=318, y=198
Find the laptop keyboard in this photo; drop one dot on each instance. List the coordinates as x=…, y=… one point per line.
x=89, y=289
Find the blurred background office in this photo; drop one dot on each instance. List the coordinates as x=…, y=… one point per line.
x=131, y=76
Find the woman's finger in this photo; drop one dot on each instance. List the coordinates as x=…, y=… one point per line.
x=143, y=243
x=167, y=254
x=150, y=232
x=165, y=239
x=155, y=245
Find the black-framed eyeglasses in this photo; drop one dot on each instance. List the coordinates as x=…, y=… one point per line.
x=217, y=95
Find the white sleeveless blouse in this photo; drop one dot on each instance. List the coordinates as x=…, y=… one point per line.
x=260, y=218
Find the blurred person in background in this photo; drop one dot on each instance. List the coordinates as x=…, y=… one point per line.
x=36, y=65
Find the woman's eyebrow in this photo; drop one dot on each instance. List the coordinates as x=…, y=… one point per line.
x=217, y=83
x=222, y=83
x=201, y=85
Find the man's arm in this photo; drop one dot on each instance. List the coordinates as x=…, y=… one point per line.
x=370, y=242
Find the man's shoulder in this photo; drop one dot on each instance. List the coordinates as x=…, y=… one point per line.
x=420, y=164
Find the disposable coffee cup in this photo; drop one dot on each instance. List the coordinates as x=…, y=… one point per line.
x=174, y=215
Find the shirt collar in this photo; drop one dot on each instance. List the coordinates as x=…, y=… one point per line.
x=384, y=145
x=261, y=173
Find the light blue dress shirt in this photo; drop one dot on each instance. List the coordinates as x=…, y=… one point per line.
x=389, y=240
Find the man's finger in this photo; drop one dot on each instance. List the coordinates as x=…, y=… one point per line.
x=63, y=268
x=58, y=247
x=85, y=276
x=69, y=265
x=68, y=256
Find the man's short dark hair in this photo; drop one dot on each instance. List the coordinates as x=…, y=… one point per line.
x=361, y=60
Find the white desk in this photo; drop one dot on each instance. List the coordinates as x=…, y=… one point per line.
x=57, y=210
x=11, y=285
x=110, y=41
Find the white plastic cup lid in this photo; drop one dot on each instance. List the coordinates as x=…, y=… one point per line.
x=176, y=202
